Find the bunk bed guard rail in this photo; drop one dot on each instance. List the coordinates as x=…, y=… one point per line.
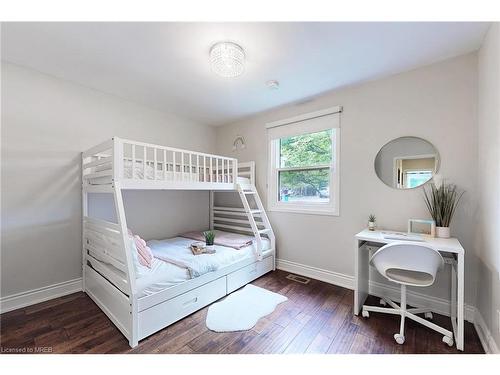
x=125, y=160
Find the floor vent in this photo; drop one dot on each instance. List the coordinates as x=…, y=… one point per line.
x=299, y=279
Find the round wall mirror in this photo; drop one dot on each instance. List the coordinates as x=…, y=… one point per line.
x=406, y=162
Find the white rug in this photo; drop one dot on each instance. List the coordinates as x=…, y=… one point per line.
x=242, y=309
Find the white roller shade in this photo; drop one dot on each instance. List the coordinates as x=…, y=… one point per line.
x=309, y=123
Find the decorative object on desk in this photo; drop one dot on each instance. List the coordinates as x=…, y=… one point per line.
x=422, y=227
x=442, y=202
x=209, y=239
x=371, y=222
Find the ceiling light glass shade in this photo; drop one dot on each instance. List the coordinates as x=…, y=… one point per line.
x=227, y=59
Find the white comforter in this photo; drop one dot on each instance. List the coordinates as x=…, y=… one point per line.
x=176, y=251
x=163, y=275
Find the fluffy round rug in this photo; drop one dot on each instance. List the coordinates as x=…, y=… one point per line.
x=242, y=309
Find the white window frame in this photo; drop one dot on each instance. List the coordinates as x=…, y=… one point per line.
x=331, y=208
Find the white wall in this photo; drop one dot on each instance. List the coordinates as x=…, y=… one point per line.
x=437, y=103
x=156, y=214
x=488, y=234
x=46, y=124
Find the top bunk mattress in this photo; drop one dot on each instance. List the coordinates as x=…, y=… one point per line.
x=163, y=275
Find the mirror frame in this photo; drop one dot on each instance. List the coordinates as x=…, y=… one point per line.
x=438, y=164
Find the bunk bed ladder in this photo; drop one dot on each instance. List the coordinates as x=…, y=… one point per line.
x=251, y=190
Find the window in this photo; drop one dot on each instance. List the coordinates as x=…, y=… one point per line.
x=303, y=173
x=416, y=178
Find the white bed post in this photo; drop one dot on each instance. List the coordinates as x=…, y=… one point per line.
x=197, y=175
x=252, y=173
x=204, y=168
x=211, y=171
x=164, y=164
x=122, y=222
x=144, y=156
x=235, y=171
x=190, y=175
x=133, y=164
x=182, y=166
x=216, y=169
x=174, y=173
x=211, y=209
x=84, y=214
x=118, y=164
x=155, y=163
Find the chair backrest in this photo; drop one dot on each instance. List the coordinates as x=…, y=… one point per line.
x=409, y=263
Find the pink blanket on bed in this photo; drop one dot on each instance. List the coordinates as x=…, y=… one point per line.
x=236, y=241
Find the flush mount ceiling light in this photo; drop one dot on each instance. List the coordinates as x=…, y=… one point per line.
x=227, y=59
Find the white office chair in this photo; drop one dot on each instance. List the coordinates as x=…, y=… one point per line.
x=408, y=263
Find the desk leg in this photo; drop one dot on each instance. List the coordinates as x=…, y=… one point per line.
x=460, y=302
x=454, y=307
x=361, y=276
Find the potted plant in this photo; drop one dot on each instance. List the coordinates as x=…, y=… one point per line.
x=442, y=202
x=209, y=239
x=371, y=222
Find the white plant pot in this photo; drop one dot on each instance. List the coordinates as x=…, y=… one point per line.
x=371, y=225
x=210, y=247
x=443, y=232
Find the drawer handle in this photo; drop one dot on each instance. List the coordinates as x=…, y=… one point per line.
x=190, y=302
x=254, y=270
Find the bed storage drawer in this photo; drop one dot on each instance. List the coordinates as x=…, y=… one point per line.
x=246, y=274
x=168, y=312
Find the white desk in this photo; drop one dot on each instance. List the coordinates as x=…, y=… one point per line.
x=448, y=245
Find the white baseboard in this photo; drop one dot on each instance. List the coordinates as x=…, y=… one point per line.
x=327, y=276
x=31, y=297
x=485, y=336
x=438, y=305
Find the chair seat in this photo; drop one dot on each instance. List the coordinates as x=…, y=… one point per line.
x=409, y=277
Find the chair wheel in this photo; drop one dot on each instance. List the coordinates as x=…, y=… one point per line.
x=365, y=314
x=400, y=339
x=448, y=340
x=382, y=302
x=428, y=315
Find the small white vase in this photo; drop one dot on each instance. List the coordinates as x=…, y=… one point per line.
x=371, y=225
x=210, y=247
x=443, y=232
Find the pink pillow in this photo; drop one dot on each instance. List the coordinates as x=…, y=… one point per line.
x=144, y=253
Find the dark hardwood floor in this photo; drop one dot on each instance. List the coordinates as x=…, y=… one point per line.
x=317, y=318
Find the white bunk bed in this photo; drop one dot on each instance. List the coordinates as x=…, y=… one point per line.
x=108, y=271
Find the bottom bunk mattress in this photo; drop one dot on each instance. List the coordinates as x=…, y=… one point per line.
x=163, y=275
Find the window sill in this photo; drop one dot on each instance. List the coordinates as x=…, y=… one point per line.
x=306, y=211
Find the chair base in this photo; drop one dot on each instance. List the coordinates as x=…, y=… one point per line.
x=401, y=310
